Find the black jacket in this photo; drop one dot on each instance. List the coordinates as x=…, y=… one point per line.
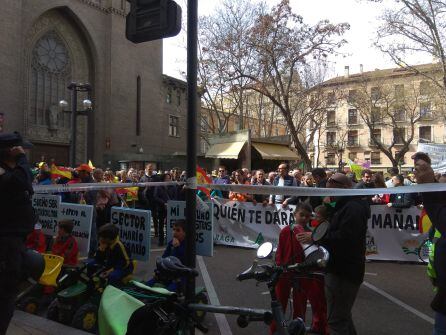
x=17, y=216
x=346, y=239
x=145, y=194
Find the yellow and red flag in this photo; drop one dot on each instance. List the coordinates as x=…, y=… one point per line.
x=60, y=171
x=202, y=178
x=425, y=222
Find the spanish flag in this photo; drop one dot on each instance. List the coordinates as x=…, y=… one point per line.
x=424, y=223
x=202, y=178
x=60, y=171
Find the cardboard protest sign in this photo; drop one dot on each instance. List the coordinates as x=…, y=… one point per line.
x=134, y=230
x=176, y=210
x=82, y=216
x=46, y=208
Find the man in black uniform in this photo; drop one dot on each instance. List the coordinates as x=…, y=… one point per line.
x=16, y=219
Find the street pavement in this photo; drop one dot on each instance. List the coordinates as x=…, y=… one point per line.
x=394, y=298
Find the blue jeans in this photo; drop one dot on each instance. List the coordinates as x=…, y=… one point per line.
x=440, y=324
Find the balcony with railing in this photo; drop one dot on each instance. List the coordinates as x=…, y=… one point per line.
x=353, y=142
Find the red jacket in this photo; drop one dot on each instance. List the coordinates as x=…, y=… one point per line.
x=36, y=241
x=66, y=247
x=289, y=250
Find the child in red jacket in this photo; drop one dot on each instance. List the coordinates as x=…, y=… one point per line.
x=36, y=239
x=289, y=251
x=313, y=288
x=65, y=244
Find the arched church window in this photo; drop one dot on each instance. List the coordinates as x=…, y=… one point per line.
x=50, y=75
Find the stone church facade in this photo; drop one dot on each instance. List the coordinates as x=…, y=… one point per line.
x=47, y=44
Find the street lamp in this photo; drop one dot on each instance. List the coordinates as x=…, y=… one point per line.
x=87, y=105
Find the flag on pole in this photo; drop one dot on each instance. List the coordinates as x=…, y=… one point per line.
x=424, y=222
x=90, y=164
x=356, y=169
x=60, y=171
x=202, y=178
x=366, y=164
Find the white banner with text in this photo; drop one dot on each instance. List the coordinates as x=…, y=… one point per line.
x=392, y=234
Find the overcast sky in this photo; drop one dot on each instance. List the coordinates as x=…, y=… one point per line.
x=361, y=15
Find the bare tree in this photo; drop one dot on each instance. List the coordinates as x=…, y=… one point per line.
x=416, y=28
x=284, y=47
x=397, y=108
x=222, y=52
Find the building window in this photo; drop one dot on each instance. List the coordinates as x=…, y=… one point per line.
x=399, y=92
x=352, y=96
x=50, y=75
x=425, y=133
x=353, y=138
x=375, y=114
x=178, y=98
x=424, y=88
x=173, y=126
x=331, y=118
x=375, y=93
x=375, y=134
x=331, y=99
x=375, y=157
x=425, y=110
x=169, y=97
x=400, y=114
x=352, y=116
x=399, y=135
x=331, y=138
x=331, y=158
x=352, y=156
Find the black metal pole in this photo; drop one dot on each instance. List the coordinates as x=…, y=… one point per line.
x=73, y=89
x=191, y=172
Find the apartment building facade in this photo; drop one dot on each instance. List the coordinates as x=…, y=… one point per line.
x=373, y=115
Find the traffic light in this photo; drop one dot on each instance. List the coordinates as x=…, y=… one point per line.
x=150, y=20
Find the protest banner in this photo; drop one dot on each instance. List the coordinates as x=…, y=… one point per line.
x=204, y=226
x=82, y=216
x=392, y=234
x=134, y=230
x=243, y=224
x=437, y=154
x=46, y=208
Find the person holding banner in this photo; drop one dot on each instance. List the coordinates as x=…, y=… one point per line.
x=17, y=219
x=435, y=206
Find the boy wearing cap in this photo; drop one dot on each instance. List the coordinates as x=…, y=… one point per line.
x=16, y=216
x=36, y=239
x=65, y=244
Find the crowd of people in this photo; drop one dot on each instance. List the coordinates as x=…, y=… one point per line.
x=331, y=298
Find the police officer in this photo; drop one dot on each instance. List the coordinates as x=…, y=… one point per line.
x=17, y=219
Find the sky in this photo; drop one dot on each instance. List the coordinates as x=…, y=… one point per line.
x=360, y=14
